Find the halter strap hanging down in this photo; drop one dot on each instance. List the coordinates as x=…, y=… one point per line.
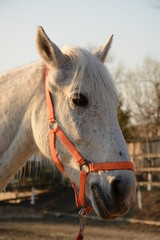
x=84, y=171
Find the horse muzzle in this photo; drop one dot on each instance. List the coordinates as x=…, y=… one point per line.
x=112, y=198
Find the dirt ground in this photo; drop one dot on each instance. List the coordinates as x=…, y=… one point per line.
x=20, y=220
x=50, y=230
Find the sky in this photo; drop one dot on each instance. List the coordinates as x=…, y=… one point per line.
x=86, y=23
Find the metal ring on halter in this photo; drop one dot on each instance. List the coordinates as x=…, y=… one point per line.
x=85, y=167
x=53, y=125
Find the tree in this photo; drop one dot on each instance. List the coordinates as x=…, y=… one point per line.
x=124, y=120
x=144, y=92
x=140, y=89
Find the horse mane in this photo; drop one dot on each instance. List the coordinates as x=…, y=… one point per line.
x=85, y=64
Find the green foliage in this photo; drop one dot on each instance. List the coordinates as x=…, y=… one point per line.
x=124, y=119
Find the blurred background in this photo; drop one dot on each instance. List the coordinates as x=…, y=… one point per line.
x=134, y=63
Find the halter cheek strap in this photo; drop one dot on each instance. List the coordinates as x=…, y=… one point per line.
x=85, y=168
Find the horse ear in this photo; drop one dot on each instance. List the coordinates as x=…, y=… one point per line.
x=102, y=51
x=50, y=53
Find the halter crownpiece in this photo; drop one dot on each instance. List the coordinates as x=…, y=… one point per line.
x=85, y=167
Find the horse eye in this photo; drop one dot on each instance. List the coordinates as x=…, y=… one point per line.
x=80, y=100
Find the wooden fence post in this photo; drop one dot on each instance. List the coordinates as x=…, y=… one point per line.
x=149, y=185
x=139, y=198
x=33, y=190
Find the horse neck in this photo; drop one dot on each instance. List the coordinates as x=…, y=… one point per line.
x=21, y=82
x=18, y=89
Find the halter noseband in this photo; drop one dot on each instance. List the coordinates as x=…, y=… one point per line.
x=85, y=167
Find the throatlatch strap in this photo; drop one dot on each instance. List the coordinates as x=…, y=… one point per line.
x=51, y=115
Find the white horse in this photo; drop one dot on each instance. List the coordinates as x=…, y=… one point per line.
x=85, y=101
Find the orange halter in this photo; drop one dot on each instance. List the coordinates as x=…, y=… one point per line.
x=85, y=167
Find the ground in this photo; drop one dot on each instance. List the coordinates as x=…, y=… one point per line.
x=43, y=221
x=50, y=230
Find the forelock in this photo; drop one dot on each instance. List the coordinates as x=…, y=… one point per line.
x=83, y=62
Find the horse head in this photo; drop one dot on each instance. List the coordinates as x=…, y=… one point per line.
x=85, y=101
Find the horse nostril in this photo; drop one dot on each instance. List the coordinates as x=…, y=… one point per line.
x=94, y=187
x=117, y=189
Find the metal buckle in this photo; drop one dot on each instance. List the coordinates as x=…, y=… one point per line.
x=53, y=125
x=85, y=167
